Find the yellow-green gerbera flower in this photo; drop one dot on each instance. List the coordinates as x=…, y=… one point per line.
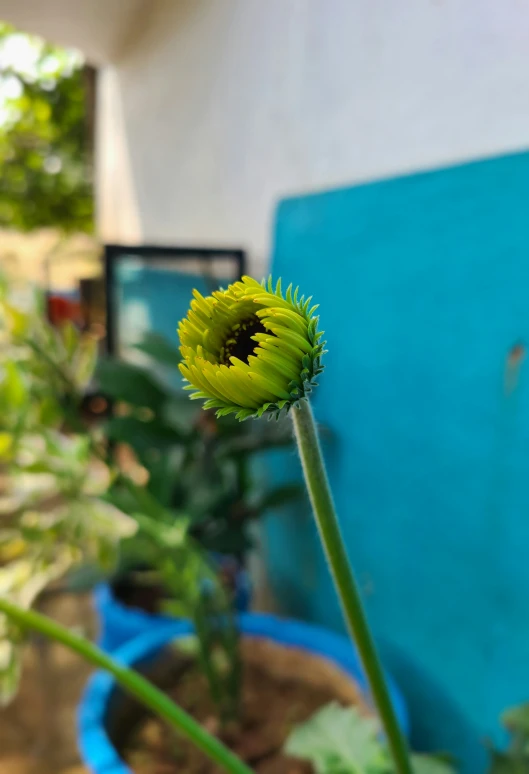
x=248, y=350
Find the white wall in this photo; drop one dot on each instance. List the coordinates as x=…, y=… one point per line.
x=220, y=107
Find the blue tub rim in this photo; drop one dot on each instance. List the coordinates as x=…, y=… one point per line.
x=97, y=751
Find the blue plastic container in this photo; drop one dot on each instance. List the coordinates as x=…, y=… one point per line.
x=95, y=711
x=120, y=623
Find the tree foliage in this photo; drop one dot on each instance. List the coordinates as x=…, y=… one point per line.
x=45, y=155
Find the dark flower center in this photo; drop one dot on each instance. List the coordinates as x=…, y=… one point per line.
x=239, y=342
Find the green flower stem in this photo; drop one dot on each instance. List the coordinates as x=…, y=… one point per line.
x=344, y=580
x=132, y=682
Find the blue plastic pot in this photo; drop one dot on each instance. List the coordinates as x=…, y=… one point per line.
x=120, y=624
x=101, y=696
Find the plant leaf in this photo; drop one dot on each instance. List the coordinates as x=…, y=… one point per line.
x=10, y=668
x=143, y=435
x=430, y=764
x=131, y=384
x=516, y=719
x=339, y=740
x=160, y=349
x=280, y=496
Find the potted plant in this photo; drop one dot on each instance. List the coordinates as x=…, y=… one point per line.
x=289, y=670
x=248, y=350
x=194, y=463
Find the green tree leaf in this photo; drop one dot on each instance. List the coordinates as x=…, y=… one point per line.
x=45, y=152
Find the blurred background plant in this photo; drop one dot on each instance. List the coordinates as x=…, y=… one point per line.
x=185, y=467
x=56, y=513
x=45, y=135
x=344, y=740
x=52, y=515
x=514, y=759
x=212, y=469
x=150, y=498
x=47, y=99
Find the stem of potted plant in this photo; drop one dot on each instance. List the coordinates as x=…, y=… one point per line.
x=344, y=580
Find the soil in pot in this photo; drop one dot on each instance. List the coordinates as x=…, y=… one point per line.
x=282, y=687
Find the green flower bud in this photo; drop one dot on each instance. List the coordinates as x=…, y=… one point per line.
x=248, y=350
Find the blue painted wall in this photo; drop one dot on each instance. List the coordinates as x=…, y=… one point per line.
x=423, y=283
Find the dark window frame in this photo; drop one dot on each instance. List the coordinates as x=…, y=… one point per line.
x=115, y=252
